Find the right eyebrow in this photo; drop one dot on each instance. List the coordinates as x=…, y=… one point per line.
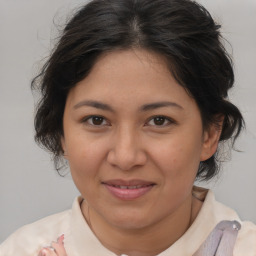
x=161, y=104
x=94, y=104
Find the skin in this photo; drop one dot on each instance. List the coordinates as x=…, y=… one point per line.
x=57, y=248
x=126, y=142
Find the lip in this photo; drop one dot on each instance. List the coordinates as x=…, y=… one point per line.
x=128, y=189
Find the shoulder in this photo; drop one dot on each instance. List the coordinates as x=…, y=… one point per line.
x=214, y=212
x=246, y=240
x=29, y=239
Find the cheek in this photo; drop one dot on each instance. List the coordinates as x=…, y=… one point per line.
x=85, y=156
x=178, y=156
x=84, y=165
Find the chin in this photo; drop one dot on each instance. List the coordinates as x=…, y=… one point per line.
x=130, y=224
x=129, y=220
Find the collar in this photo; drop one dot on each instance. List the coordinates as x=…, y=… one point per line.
x=84, y=242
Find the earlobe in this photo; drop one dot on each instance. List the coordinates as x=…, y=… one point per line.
x=210, y=141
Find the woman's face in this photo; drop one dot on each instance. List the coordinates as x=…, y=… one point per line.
x=134, y=139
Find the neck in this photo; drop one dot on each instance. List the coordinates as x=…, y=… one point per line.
x=146, y=241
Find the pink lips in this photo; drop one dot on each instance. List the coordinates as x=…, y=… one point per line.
x=128, y=190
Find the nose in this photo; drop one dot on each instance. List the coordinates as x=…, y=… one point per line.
x=126, y=151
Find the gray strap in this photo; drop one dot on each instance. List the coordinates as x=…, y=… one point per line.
x=221, y=240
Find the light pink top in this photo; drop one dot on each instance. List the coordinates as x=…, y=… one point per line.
x=80, y=241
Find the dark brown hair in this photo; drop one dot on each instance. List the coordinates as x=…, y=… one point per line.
x=182, y=31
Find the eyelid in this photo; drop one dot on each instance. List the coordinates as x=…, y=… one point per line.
x=85, y=121
x=170, y=120
x=106, y=122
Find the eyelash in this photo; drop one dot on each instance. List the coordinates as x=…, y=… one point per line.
x=165, y=118
x=86, y=120
x=153, y=118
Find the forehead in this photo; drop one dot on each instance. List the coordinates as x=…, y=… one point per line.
x=131, y=76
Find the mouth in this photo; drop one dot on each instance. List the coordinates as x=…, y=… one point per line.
x=128, y=190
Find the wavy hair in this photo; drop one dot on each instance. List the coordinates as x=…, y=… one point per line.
x=182, y=31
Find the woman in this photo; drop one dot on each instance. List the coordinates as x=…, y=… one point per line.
x=134, y=97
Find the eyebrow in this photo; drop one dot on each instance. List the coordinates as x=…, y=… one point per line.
x=162, y=104
x=146, y=107
x=94, y=104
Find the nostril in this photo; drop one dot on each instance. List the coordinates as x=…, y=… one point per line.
x=126, y=160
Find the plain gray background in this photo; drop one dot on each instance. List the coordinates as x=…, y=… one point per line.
x=29, y=186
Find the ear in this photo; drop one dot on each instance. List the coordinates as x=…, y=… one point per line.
x=64, y=148
x=211, y=139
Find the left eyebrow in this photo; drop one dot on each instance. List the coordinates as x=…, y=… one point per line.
x=162, y=104
x=94, y=104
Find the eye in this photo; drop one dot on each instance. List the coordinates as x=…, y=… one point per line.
x=95, y=121
x=160, y=121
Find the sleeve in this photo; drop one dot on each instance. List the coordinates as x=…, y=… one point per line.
x=29, y=240
x=20, y=243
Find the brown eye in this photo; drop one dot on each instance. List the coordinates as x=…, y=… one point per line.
x=96, y=121
x=159, y=121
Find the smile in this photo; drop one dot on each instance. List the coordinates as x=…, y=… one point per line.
x=128, y=190
x=129, y=187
